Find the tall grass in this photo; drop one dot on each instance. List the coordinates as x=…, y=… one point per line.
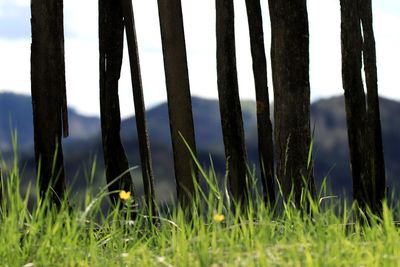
x=218, y=233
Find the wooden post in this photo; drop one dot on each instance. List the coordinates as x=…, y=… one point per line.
x=363, y=121
x=229, y=102
x=377, y=162
x=48, y=90
x=264, y=125
x=140, y=110
x=179, y=98
x=111, y=31
x=290, y=74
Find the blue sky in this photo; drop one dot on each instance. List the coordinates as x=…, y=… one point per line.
x=81, y=46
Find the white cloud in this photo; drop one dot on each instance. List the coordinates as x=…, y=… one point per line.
x=81, y=18
x=15, y=65
x=81, y=75
x=20, y=3
x=325, y=50
x=388, y=54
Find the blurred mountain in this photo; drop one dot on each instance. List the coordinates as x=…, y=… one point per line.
x=332, y=153
x=16, y=114
x=328, y=118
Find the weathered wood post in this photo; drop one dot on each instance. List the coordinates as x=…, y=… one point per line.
x=229, y=102
x=290, y=74
x=354, y=94
x=179, y=99
x=363, y=121
x=48, y=90
x=264, y=125
x=377, y=162
x=111, y=34
x=140, y=110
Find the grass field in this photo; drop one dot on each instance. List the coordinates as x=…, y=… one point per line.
x=217, y=234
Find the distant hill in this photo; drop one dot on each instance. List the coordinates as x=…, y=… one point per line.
x=328, y=115
x=331, y=142
x=330, y=151
x=16, y=113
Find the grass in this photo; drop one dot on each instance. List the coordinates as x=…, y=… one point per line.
x=217, y=235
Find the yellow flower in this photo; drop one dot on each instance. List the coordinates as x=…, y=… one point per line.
x=219, y=217
x=124, y=195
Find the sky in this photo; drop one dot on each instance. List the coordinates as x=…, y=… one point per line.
x=81, y=50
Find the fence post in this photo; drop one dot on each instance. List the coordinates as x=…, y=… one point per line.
x=229, y=102
x=111, y=30
x=140, y=110
x=264, y=125
x=363, y=121
x=179, y=98
x=374, y=122
x=49, y=95
x=290, y=74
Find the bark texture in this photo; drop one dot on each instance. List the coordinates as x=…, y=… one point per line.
x=264, y=125
x=354, y=95
x=290, y=72
x=179, y=99
x=140, y=110
x=363, y=119
x=377, y=162
x=111, y=30
x=229, y=102
x=48, y=94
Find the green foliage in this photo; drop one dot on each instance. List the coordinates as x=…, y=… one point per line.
x=218, y=233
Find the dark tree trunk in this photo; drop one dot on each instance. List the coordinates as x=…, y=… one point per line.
x=49, y=94
x=140, y=110
x=111, y=30
x=363, y=121
x=179, y=99
x=264, y=125
x=377, y=162
x=290, y=72
x=229, y=102
x=354, y=96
